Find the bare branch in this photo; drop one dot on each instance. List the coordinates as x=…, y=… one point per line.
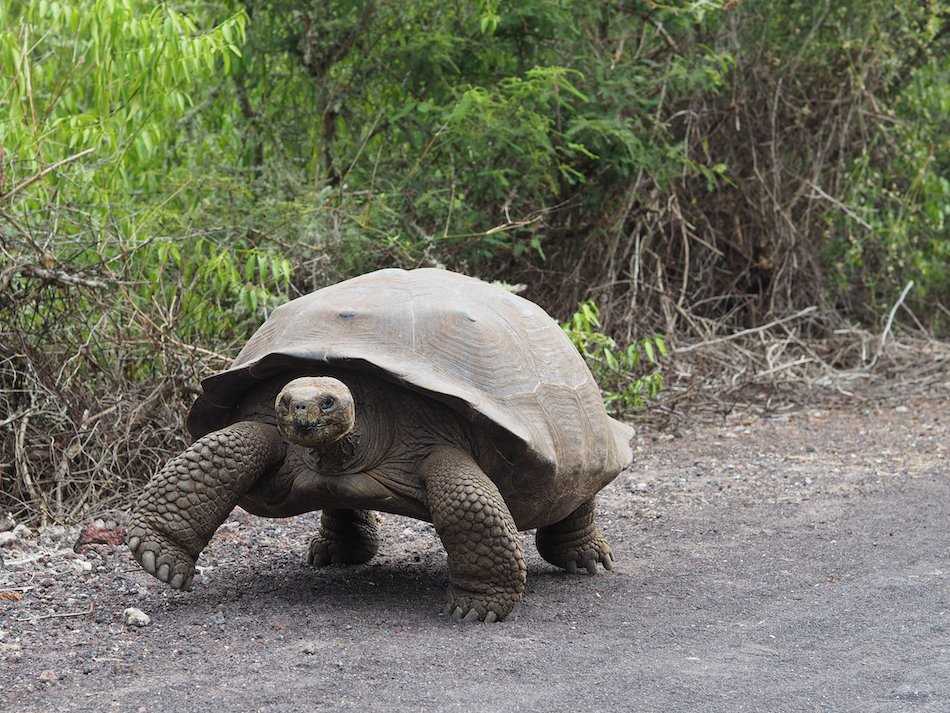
x=746, y=332
x=27, y=182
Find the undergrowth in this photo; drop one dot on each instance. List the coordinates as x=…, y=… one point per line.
x=762, y=176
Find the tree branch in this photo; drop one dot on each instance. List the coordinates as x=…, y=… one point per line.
x=27, y=182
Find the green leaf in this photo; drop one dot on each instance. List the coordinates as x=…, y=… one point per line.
x=648, y=350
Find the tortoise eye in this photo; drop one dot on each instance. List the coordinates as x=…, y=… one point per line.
x=327, y=403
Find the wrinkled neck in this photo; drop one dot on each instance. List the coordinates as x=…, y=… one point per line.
x=371, y=438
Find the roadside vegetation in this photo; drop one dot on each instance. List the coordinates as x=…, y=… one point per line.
x=720, y=200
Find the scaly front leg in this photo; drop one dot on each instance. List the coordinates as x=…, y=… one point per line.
x=186, y=501
x=486, y=563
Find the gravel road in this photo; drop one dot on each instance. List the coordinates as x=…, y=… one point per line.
x=791, y=564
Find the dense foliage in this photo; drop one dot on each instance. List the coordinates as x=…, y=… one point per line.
x=170, y=171
x=541, y=140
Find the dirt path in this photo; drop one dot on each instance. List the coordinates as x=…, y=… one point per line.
x=795, y=564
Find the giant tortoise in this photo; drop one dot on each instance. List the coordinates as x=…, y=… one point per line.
x=422, y=393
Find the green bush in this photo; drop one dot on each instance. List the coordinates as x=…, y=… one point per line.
x=842, y=183
x=897, y=225
x=171, y=172
x=629, y=376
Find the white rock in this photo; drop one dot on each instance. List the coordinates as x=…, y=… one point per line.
x=81, y=565
x=135, y=617
x=7, y=539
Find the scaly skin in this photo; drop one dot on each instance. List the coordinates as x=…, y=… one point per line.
x=186, y=501
x=486, y=564
x=575, y=542
x=346, y=537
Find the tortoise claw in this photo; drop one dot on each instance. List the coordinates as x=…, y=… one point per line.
x=160, y=556
x=589, y=562
x=465, y=614
x=576, y=555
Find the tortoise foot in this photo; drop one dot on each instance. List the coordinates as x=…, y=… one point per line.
x=466, y=606
x=575, y=543
x=585, y=554
x=346, y=537
x=160, y=555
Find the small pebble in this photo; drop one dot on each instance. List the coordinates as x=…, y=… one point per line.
x=48, y=676
x=135, y=617
x=13, y=651
x=901, y=409
x=217, y=618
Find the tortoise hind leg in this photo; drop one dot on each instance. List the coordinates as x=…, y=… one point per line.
x=346, y=537
x=575, y=542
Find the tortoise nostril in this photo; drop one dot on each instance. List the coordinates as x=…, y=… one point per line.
x=300, y=408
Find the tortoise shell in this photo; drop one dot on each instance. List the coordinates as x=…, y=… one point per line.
x=496, y=358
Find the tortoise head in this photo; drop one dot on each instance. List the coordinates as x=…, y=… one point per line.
x=315, y=411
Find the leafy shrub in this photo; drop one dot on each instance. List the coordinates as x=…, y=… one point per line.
x=170, y=172
x=896, y=224
x=629, y=376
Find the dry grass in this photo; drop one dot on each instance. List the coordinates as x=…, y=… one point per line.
x=92, y=389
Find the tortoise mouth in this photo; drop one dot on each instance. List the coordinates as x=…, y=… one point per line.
x=302, y=428
x=308, y=427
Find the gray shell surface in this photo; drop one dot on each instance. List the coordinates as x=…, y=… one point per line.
x=496, y=358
